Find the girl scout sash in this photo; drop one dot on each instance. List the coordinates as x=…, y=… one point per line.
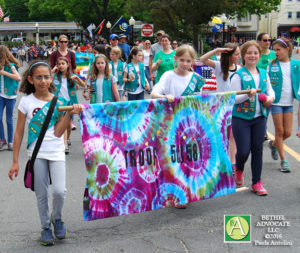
x=194, y=85
x=36, y=123
x=10, y=85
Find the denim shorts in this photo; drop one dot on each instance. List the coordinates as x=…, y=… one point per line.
x=275, y=109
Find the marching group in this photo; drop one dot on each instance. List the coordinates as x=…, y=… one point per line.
x=116, y=73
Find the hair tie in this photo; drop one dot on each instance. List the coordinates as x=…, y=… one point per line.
x=38, y=63
x=283, y=42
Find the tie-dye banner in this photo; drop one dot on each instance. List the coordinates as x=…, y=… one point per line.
x=150, y=154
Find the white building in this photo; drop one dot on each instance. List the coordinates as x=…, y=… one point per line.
x=282, y=22
x=41, y=30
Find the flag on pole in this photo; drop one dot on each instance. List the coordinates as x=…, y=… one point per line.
x=122, y=26
x=216, y=20
x=1, y=12
x=90, y=29
x=6, y=19
x=217, y=28
x=100, y=27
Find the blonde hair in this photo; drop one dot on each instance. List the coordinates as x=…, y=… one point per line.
x=63, y=36
x=117, y=51
x=6, y=57
x=185, y=48
x=95, y=71
x=285, y=43
x=245, y=47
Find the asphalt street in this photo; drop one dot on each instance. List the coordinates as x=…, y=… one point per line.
x=199, y=228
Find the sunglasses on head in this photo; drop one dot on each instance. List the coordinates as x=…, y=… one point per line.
x=269, y=40
x=63, y=41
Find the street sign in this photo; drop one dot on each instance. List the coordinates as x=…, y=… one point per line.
x=147, y=30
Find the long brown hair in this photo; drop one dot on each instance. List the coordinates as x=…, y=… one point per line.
x=68, y=73
x=95, y=71
x=226, y=59
x=6, y=57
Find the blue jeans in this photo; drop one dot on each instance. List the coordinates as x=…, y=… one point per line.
x=147, y=74
x=249, y=137
x=139, y=96
x=9, y=104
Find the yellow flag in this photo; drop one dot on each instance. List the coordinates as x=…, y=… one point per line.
x=216, y=20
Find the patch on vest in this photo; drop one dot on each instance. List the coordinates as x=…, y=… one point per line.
x=247, y=78
x=275, y=69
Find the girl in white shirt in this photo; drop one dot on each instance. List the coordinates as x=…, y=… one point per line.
x=37, y=85
x=284, y=73
x=224, y=69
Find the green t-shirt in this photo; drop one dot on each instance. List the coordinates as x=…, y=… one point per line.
x=265, y=59
x=166, y=64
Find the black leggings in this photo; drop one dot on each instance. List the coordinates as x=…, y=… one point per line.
x=249, y=136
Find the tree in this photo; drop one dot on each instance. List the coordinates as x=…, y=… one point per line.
x=17, y=9
x=184, y=18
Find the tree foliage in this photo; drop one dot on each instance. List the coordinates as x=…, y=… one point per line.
x=17, y=10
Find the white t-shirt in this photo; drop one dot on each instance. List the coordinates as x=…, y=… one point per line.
x=63, y=92
x=286, y=98
x=140, y=88
x=221, y=84
x=52, y=147
x=99, y=95
x=146, y=58
x=172, y=83
x=237, y=86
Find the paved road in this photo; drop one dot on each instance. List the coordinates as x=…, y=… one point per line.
x=199, y=228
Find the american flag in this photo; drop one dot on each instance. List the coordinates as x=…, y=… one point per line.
x=6, y=19
x=1, y=12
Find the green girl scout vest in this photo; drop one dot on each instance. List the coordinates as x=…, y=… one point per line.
x=57, y=81
x=275, y=74
x=36, y=123
x=120, y=70
x=194, y=85
x=132, y=86
x=247, y=109
x=10, y=85
x=107, y=90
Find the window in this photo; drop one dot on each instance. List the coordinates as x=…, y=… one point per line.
x=289, y=14
x=298, y=14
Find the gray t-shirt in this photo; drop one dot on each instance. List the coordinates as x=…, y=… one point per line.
x=155, y=48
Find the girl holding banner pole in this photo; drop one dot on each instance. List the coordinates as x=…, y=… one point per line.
x=285, y=77
x=38, y=87
x=224, y=69
x=249, y=115
x=180, y=81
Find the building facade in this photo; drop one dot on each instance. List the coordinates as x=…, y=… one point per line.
x=39, y=31
x=283, y=22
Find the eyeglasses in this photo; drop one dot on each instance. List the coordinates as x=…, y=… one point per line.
x=174, y=44
x=63, y=41
x=269, y=40
x=40, y=78
x=148, y=43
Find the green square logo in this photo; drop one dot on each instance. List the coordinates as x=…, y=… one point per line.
x=237, y=228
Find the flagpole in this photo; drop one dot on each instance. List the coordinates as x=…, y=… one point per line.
x=70, y=107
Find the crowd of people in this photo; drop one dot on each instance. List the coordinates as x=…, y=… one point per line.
x=165, y=70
